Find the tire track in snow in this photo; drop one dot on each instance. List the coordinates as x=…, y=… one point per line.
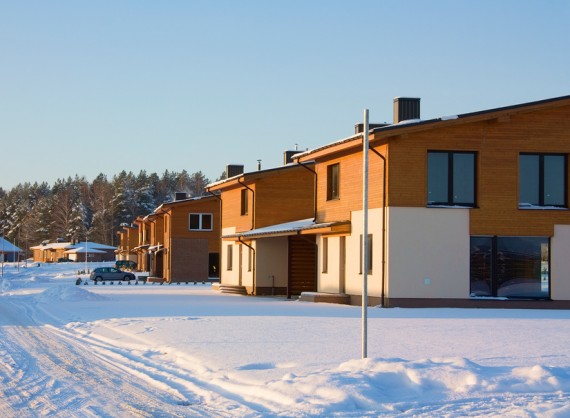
x=241, y=396
x=46, y=371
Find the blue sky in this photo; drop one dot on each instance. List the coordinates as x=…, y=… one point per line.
x=102, y=86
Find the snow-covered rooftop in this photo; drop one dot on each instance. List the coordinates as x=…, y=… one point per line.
x=7, y=247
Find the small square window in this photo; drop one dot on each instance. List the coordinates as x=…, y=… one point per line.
x=200, y=222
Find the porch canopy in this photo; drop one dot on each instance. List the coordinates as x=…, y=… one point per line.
x=304, y=226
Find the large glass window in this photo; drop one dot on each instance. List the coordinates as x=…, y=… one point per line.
x=542, y=180
x=516, y=267
x=451, y=178
x=333, y=181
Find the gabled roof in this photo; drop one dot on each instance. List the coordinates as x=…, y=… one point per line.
x=83, y=250
x=69, y=245
x=183, y=201
x=416, y=125
x=7, y=247
x=252, y=175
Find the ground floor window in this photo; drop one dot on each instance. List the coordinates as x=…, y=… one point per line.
x=516, y=267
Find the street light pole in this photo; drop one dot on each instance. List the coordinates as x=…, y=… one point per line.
x=365, y=244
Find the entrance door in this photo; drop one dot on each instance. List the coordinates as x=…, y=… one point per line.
x=302, y=265
x=214, y=265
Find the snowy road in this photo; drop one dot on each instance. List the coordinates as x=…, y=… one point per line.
x=45, y=370
x=188, y=351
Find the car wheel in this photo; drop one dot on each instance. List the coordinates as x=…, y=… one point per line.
x=126, y=278
x=98, y=279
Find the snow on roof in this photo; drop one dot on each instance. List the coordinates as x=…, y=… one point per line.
x=51, y=246
x=286, y=228
x=7, y=247
x=95, y=245
x=82, y=250
x=252, y=173
x=69, y=245
x=406, y=123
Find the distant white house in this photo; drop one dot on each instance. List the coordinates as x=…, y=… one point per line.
x=8, y=251
x=52, y=252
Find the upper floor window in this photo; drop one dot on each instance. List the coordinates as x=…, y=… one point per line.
x=542, y=180
x=451, y=178
x=244, y=202
x=333, y=181
x=200, y=222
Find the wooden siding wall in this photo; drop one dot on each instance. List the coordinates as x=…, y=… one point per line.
x=179, y=221
x=282, y=196
x=157, y=231
x=350, y=189
x=231, y=209
x=285, y=197
x=498, y=144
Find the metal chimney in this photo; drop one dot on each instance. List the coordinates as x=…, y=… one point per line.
x=406, y=108
x=233, y=170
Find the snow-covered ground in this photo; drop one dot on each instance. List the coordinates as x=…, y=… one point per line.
x=185, y=350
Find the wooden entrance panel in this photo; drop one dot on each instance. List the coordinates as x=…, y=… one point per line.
x=302, y=265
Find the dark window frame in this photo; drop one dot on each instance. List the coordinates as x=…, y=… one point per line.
x=333, y=181
x=541, y=179
x=200, y=221
x=498, y=265
x=244, y=202
x=450, y=178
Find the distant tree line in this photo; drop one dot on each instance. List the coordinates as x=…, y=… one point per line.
x=75, y=209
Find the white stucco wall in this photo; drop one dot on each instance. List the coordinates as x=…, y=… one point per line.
x=428, y=253
x=560, y=263
x=272, y=261
x=353, y=274
x=229, y=276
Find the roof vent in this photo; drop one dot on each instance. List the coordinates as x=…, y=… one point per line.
x=180, y=196
x=406, y=108
x=233, y=170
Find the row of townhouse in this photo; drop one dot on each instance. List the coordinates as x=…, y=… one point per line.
x=178, y=242
x=53, y=252
x=464, y=210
